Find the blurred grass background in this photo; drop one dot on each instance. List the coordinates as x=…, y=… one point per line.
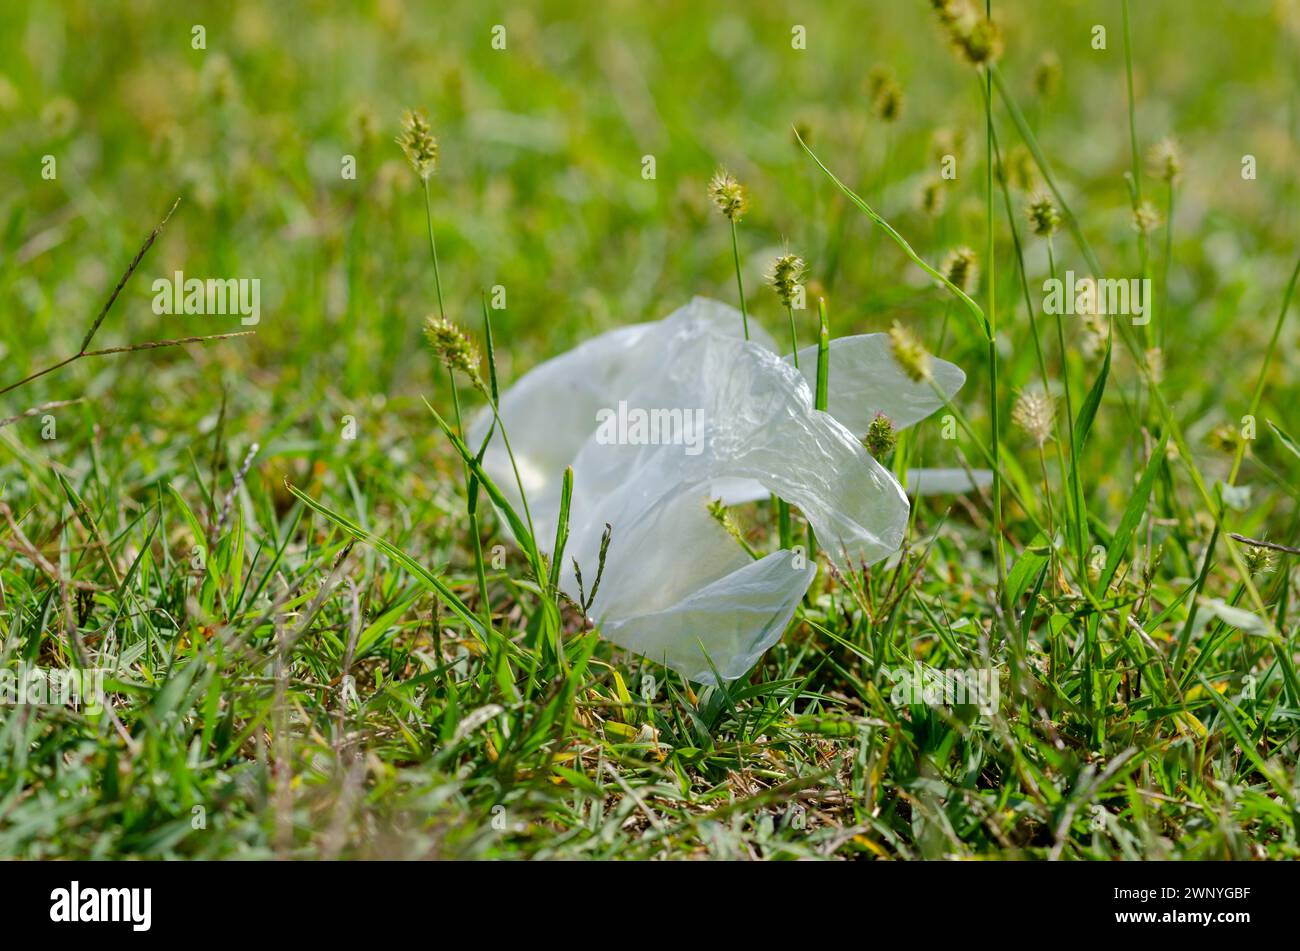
x=540, y=189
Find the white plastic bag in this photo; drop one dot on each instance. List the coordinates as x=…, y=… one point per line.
x=676, y=587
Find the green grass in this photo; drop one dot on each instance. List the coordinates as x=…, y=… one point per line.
x=322, y=675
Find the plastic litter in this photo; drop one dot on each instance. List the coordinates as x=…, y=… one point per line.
x=657, y=420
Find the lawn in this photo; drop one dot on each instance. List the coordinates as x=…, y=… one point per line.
x=268, y=552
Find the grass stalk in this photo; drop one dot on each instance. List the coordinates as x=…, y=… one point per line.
x=740, y=286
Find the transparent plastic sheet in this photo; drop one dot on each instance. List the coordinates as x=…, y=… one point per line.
x=947, y=481
x=677, y=588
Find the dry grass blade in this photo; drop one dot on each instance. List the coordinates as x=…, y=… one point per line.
x=108, y=305
x=44, y=407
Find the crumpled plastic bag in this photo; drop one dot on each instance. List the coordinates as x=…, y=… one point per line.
x=676, y=587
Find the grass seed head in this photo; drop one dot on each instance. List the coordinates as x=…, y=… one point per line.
x=1096, y=325
x=1145, y=217
x=881, y=438
x=886, y=94
x=452, y=347
x=1166, y=159
x=1259, y=560
x=976, y=38
x=960, y=268
x=910, y=353
x=1223, y=438
x=1043, y=216
x=1035, y=413
x=1047, y=75
x=983, y=44
x=418, y=143
x=722, y=515
x=932, y=197
x=785, y=277
x=727, y=194
x=951, y=12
